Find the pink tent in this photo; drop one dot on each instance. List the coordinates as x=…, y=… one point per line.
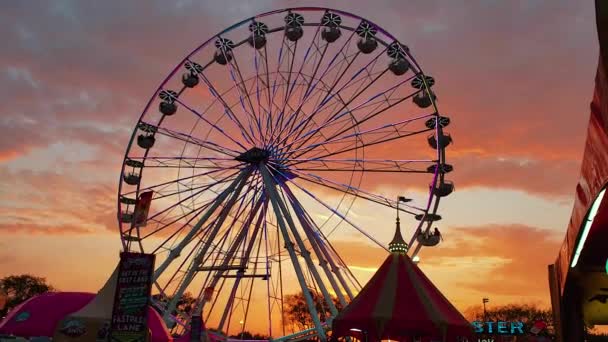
x=40, y=315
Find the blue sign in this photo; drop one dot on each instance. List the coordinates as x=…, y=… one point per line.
x=499, y=328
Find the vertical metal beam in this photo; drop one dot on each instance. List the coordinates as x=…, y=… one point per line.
x=274, y=198
x=302, y=217
x=343, y=217
x=306, y=254
x=174, y=253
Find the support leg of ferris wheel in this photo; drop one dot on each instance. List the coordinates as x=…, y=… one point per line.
x=195, y=265
x=175, y=252
x=334, y=267
x=274, y=198
x=244, y=259
x=345, y=219
x=307, y=226
x=306, y=255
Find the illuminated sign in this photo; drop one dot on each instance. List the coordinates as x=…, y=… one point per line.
x=499, y=328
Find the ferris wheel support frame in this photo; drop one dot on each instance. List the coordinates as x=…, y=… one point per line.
x=275, y=200
x=175, y=252
x=239, y=275
x=195, y=265
x=305, y=253
x=322, y=257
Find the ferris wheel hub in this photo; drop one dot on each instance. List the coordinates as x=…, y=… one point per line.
x=255, y=155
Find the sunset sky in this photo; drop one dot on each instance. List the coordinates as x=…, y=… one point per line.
x=516, y=78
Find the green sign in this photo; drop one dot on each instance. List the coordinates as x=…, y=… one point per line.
x=132, y=298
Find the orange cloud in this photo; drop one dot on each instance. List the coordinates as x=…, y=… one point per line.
x=38, y=229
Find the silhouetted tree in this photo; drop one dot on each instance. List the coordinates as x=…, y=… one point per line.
x=183, y=308
x=296, y=310
x=246, y=335
x=19, y=288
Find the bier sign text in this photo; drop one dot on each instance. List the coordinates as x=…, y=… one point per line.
x=499, y=328
x=132, y=298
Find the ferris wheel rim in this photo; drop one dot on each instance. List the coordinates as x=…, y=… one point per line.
x=230, y=28
x=433, y=201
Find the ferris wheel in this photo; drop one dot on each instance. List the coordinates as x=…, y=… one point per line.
x=250, y=158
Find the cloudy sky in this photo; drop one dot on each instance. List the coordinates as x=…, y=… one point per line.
x=516, y=77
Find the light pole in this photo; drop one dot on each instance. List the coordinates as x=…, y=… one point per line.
x=485, y=300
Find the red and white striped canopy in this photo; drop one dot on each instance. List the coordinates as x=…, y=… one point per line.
x=401, y=303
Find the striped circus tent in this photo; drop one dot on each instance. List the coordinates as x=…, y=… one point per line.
x=400, y=303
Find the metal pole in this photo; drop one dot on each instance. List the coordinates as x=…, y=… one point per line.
x=306, y=255
x=306, y=226
x=289, y=245
x=485, y=316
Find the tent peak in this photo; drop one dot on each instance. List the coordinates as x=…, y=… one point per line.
x=398, y=245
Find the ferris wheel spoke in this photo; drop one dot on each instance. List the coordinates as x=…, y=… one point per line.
x=281, y=111
x=167, y=211
x=358, y=165
x=244, y=99
x=160, y=188
x=336, y=212
x=269, y=96
x=228, y=113
x=330, y=66
x=204, y=188
x=349, y=120
x=367, y=137
x=277, y=114
x=316, y=90
x=348, y=126
x=189, y=162
x=261, y=118
x=359, y=193
x=313, y=43
x=307, y=94
x=193, y=140
x=301, y=128
x=329, y=96
x=378, y=138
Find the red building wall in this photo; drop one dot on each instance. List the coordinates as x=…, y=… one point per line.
x=594, y=169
